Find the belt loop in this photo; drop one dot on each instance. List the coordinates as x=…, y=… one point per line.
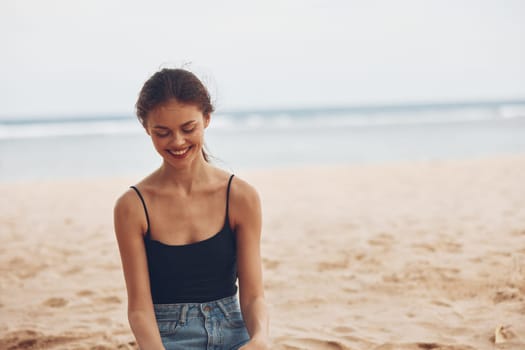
x=183, y=314
x=223, y=309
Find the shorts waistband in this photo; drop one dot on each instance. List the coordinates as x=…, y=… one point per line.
x=183, y=311
x=171, y=307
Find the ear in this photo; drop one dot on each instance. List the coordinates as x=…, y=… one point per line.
x=207, y=118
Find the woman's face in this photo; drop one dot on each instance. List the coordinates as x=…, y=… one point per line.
x=177, y=132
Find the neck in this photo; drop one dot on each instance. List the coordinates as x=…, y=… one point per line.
x=183, y=178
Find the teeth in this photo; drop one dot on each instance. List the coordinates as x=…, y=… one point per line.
x=179, y=153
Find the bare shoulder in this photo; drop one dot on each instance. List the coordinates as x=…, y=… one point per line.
x=130, y=200
x=128, y=211
x=245, y=204
x=242, y=192
x=126, y=202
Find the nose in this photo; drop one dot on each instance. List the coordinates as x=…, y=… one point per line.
x=177, y=140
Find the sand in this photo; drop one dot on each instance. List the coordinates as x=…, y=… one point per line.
x=426, y=255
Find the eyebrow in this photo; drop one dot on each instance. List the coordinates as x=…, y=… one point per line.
x=165, y=127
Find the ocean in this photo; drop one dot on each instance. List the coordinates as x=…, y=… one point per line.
x=117, y=145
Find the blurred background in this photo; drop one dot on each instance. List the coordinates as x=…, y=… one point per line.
x=294, y=82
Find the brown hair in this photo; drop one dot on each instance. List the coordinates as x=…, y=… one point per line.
x=177, y=84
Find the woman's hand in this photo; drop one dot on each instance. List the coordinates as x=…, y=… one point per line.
x=256, y=344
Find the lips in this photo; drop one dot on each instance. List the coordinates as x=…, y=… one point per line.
x=179, y=153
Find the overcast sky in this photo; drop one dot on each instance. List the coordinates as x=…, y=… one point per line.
x=62, y=57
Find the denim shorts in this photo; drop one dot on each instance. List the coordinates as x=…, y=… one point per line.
x=215, y=325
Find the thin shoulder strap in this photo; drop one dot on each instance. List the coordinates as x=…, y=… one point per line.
x=228, y=198
x=144, y=204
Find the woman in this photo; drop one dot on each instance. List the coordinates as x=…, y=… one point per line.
x=187, y=231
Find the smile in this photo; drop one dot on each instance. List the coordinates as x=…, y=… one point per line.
x=179, y=153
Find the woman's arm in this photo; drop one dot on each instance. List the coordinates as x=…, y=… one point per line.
x=247, y=224
x=129, y=220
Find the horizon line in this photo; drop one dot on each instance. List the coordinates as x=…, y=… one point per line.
x=261, y=110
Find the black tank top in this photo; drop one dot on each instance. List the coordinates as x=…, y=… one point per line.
x=192, y=273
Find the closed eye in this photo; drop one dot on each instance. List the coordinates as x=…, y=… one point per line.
x=162, y=134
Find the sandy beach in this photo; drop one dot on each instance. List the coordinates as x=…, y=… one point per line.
x=427, y=255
